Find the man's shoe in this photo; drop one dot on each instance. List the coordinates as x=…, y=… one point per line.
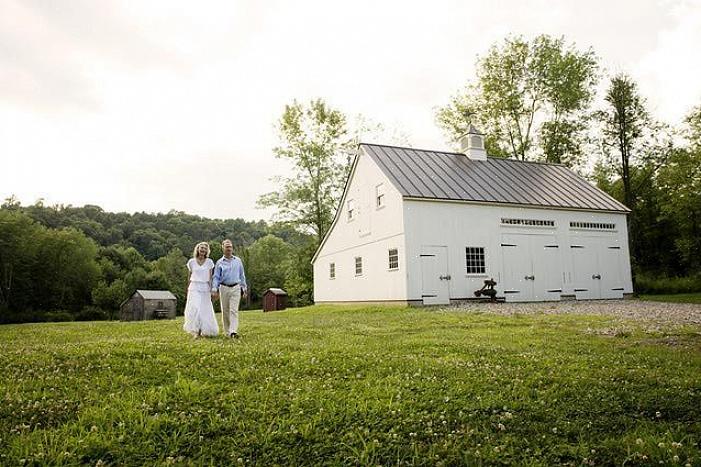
x=233, y=335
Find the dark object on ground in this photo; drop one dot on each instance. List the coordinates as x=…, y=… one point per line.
x=488, y=290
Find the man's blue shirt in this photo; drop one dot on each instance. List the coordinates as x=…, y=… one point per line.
x=229, y=271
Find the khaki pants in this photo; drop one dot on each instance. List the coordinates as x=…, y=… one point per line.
x=230, y=297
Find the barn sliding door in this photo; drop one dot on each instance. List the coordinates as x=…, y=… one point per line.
x=597, y=263
x=532, y=267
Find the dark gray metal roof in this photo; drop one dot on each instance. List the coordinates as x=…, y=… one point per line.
x=156, y=294
x=419, y=173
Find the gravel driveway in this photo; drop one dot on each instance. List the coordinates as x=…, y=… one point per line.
x=659, y=313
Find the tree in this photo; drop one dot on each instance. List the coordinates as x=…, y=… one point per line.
x=634, y=147
x=267, y=264
x=68, y=269
x=316, y=140
x=18, y=247
x=530, y=97
x=679, y=183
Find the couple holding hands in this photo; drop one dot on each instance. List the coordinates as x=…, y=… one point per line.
x=225, y=279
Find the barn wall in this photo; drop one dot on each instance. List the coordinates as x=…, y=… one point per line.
x=370, y=235
x=459, y=225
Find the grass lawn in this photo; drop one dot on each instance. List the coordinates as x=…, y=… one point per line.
x=390, y=386
x=676, y=298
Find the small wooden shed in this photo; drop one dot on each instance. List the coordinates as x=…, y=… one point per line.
x=274, y=299
x=148, y=304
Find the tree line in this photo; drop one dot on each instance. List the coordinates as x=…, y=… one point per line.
x=65, y=262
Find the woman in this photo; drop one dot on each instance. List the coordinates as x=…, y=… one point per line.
x=199, y=312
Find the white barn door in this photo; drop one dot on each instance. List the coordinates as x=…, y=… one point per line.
x=532, y=266
x=598, y=268
x=435, y=280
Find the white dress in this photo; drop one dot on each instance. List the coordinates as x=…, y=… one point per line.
x=199, y=312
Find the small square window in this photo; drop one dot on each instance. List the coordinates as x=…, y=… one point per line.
x=474, y=259
x=379, y=196
x=393, y=259
x=358, y=266
x=350, y=209
x=332, y=270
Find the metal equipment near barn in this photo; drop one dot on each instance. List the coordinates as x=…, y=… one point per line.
x=148, y=304
x=274, y=299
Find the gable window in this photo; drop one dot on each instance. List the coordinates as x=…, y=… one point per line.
x=358, y=266
x=592, y=225
x=527, y=222
x=474, y=260
x=393, y=259
x=332, y=270
x=379, y=196
x=350, y=208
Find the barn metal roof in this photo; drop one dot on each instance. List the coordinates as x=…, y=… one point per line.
x=156, y=294
x=419, y=173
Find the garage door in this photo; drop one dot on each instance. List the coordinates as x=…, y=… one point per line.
x=532, y=266
x=597, y=264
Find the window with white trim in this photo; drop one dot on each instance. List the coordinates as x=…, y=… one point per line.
x=379, y=196
x=350, y=209
x=358, y=265
x=393, y=259
x=474, y=260
x=332, y=270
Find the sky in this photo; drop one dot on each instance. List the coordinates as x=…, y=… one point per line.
x=171, y=105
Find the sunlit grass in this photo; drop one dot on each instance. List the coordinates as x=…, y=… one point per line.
x=352, y=386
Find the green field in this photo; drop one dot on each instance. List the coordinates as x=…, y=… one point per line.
x=369, y=386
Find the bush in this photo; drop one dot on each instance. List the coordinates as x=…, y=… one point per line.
x=56, y=316
x=92, y=313
x=647, y=284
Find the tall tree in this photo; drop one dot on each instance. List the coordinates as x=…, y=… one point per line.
x=530, y=97
x=679, y=184
x=316, y=140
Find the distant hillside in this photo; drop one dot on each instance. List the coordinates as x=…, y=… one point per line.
x=152, y=235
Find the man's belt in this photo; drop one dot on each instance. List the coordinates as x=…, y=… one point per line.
x=231, y=285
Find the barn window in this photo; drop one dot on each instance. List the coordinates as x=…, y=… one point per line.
x=379, y=196
x=160, y=305
x=358, y=266
x=393, y=259
x=332, y=270
x=527, y=222
x=474, y=259
x=351, y=209
x=592, y=225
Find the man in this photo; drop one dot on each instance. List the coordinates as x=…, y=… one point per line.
x=229, y=283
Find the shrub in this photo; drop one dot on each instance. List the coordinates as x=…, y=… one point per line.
x=58, y=316
x=648, y=284
x=92, y=313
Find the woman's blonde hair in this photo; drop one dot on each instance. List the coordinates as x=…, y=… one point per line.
x=194, y=252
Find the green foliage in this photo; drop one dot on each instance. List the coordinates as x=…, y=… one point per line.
x=660, y=284
x=316, y=141
x=531, y=99
x=267, y=264
x=353, y=386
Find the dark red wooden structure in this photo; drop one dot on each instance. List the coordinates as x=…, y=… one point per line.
x=274, y=299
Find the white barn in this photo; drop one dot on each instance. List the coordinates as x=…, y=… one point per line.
x=428, y=227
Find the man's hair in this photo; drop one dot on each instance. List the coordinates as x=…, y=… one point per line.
x=226, y=240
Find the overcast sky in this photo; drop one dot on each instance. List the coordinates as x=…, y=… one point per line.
x=160, y=105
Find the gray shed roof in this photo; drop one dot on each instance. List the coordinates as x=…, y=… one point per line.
x=156, y=294
x=419, y=173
